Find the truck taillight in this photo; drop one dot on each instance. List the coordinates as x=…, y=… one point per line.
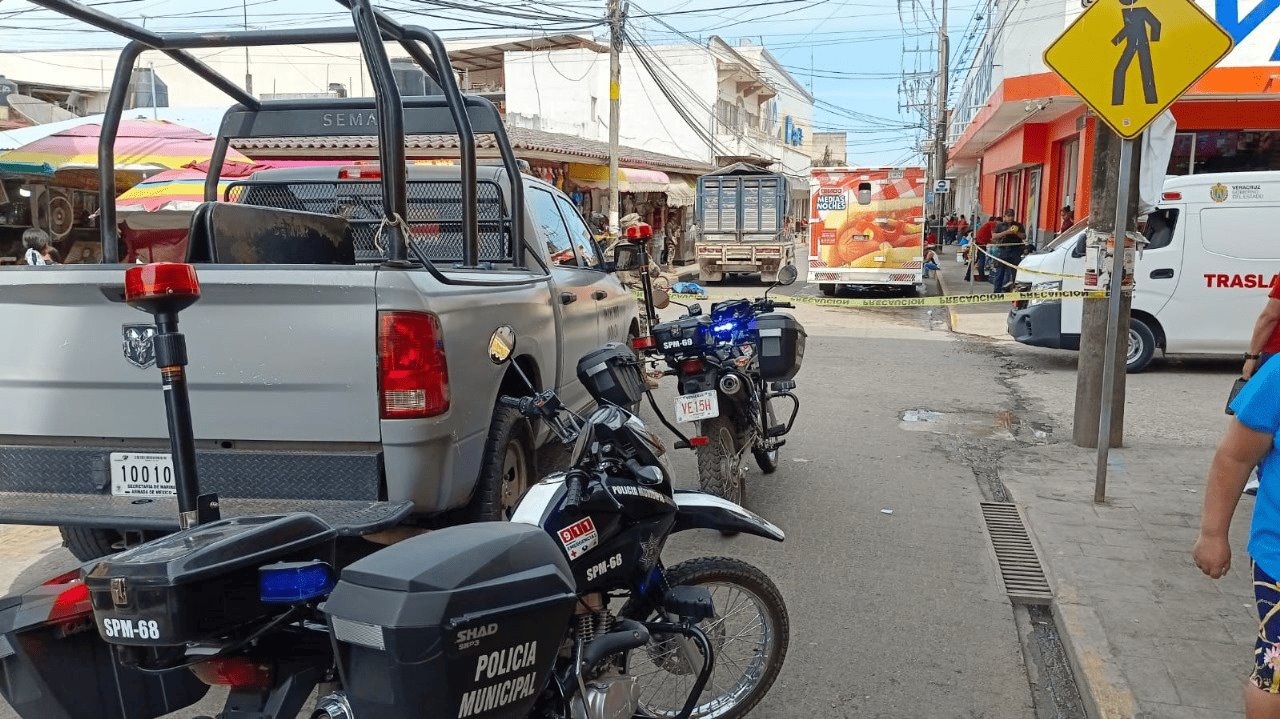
x=413, y=378
x=360, y=172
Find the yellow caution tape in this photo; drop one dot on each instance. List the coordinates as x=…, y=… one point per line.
x=987, y=299
x=1023, y=270
x=673, y=295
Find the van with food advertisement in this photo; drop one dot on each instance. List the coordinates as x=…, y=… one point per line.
x=1202, y=276
x=867, y=228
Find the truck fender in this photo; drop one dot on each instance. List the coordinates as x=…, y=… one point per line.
x=699, y=510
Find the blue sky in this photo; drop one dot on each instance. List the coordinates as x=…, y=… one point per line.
x=852, y=52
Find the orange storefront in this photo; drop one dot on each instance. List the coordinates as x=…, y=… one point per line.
x=1031, y=146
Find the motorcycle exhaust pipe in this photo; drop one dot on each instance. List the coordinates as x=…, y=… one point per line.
x=334, y=706
x=730, y=384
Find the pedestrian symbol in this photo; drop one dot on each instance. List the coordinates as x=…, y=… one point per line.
x=1129, y=60
x=1137, y=39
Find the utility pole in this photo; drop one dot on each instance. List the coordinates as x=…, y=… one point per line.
x=1113, y=200
x=940, y=140
x=616, y=19
x=248, y=75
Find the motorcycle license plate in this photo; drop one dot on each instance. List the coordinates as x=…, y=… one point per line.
x=700, y=405
x=142, y=474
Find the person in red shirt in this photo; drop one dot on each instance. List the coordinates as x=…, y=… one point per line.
x=952, y=227
x=982, y=238
x=1265, y=342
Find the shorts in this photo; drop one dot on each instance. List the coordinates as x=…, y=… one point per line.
x=1266, y=653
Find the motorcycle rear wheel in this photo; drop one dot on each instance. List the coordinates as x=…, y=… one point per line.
x=719, y=461
x=749, y=635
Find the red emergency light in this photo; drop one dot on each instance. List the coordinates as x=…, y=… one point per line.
x=641, y=231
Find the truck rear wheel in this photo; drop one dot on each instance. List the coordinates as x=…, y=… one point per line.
x=709, y=277
x=828, y=289
x=88, y=543
x=506, y=470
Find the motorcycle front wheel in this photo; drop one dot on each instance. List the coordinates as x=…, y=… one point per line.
x=748, y=634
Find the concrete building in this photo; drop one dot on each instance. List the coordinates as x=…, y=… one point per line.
x=830, y=149
x=1020, y=138
x=726, y=104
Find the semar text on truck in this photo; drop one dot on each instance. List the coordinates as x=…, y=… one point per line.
x=867, y=227
x=749, y=218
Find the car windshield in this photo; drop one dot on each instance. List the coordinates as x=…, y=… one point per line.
x=1069, y=236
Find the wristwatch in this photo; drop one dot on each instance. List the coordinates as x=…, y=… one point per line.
x=1248, y=356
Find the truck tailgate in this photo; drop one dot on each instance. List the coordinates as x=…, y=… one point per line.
x=276, y=354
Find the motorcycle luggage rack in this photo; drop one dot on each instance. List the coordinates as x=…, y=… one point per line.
x=394, y=116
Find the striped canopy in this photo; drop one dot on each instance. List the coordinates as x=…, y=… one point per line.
x=143, y=147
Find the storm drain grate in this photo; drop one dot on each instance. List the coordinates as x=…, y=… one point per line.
x=1020, y=568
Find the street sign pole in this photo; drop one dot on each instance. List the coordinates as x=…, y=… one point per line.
x=1116, y=288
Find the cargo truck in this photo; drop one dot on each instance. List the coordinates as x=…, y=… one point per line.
x=867, y=228
x=748, y=219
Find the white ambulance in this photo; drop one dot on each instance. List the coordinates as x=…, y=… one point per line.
x=1213, y=252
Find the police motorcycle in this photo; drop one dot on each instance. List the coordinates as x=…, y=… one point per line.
x=733, y=365
x=718, y=627
x=485, y=620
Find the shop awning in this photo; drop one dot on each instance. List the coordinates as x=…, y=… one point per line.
x=681, y=192
x=596, y=177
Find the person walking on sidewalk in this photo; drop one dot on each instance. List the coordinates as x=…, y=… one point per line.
x=1265, y=342
x=1251, y=440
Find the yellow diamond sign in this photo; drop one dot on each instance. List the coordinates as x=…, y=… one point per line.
x=1129, y=60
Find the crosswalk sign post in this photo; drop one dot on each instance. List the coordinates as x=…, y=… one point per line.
x=1130, y=60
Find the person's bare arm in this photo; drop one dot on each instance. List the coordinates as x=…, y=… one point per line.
x=1262, y=331
x=1239, y=452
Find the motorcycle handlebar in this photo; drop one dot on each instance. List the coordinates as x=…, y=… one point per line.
x=784, y=305
x=509, y=401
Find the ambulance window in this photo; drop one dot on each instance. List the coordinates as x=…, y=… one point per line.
x=1159, y=228
x=864, y=193
x=1246, y=233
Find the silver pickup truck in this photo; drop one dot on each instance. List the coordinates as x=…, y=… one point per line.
x=326, y=387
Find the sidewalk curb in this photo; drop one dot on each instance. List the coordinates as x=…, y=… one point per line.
x=953, y=317
x=1103, y=688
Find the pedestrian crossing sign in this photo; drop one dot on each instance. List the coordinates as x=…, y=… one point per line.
x=1129, y=60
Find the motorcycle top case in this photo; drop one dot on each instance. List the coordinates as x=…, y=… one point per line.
x=196, y=585
x=461, y=622
x=687, y=335
x=54, y=666
x=781, y=346
x=612, y=375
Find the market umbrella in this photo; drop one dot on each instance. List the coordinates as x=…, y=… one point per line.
x=143, y=147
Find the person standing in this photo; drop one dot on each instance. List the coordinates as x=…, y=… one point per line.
x=1250, y=440
x=1010, y=236
x=1265, y=342
x=981, y=239
x=1068, y=218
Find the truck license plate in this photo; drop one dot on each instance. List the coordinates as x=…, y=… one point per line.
x=142, y=474
x=700, y=405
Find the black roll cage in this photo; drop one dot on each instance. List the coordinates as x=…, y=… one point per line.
x=450, y=114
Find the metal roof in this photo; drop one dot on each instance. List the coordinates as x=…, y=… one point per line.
x=525, y=142
x=490, y=57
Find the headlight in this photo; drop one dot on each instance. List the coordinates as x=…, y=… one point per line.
x=1051, y=286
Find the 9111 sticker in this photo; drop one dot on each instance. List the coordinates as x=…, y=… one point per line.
x=579, y=538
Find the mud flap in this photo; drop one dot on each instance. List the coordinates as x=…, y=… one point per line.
x=699, y=510
x=53, y=665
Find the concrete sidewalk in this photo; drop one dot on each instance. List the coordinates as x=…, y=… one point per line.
x=980, y=320
x=1150, y=636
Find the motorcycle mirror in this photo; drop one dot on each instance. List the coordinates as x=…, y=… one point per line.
x=502, y=344
x=626, y=256
x=661, y=298
x=788, y=275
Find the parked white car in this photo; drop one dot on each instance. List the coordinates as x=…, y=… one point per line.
x=1213, y=254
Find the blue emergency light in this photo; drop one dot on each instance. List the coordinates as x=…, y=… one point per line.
x=293, y=582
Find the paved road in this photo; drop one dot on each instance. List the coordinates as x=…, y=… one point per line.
x=895, y=606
